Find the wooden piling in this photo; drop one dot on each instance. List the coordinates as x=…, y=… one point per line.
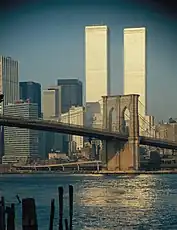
x=70, y=207
x=2, y=214
x=66, y=224
x=10, y=217
x=60, y=191
x=52, y=213
x=29, y=218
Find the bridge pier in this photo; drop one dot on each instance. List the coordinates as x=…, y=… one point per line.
x=121, y=157
x=78, y=167
x=117, y=155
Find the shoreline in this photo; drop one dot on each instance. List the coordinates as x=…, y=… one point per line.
x=103, y=172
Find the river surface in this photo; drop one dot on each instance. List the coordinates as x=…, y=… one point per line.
x=100, y=202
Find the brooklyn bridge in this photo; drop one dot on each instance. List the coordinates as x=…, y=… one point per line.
x=120, y=149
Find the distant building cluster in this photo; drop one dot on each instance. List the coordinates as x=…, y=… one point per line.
x=63, y=102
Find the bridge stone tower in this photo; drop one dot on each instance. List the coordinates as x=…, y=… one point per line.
x=117, y=155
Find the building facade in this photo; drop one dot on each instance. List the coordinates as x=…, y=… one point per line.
x=58, y=100
x=135, y=81
x=31, y=91
x=51, y=109
x=51, y=102
x=9, y=86
x=75, y=116
x=97, y=62
x=71, y=93
x=20, y=144
x=9, y=79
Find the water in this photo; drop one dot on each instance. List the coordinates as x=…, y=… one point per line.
x=100, y=202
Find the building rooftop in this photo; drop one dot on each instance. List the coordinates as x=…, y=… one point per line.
x=96, y=27
x=135, y=29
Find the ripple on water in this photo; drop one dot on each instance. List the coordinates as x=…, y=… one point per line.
x=101, y=203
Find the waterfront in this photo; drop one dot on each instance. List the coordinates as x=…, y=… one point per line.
x=101, y=202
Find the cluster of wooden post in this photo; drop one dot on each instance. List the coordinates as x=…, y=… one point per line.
x=29, y=215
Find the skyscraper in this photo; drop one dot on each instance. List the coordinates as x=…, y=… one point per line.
x=97, y=67
x=135, y=65
x=71, y=93
x=32, y=91
x=9, y=86
x=20, y=144
x=9, y=80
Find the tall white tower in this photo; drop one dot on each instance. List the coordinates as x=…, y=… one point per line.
x=97, y=62
x=135, y=81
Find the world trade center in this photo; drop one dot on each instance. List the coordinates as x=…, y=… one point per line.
x=135, y=79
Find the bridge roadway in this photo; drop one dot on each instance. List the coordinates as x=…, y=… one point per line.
x=59, y=165
x=53, y=126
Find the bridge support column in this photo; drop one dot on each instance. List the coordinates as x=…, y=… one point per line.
x=122, y=157
x=117, y=155
x=133, y=144
x=78, y=167
x=103, y=154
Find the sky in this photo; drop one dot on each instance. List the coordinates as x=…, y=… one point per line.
x=48, y=40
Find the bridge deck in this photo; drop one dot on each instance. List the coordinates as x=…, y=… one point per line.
x=59, y=127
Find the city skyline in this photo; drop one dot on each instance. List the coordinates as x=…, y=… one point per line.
x=35, y=43
x=106, y=28
x=87, y=107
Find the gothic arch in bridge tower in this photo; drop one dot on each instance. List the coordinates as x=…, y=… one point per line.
x=126, y=121
x=114, y=109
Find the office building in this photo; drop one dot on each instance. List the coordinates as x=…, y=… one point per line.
x=9, y=79
x=51, y=108
x=71, y=93
x=92, y=108
x=51, y=102
x=20, y=145
x=135, y=81
x=97, y=66
x=9, y=86
x=31, y=91
x=75, y=116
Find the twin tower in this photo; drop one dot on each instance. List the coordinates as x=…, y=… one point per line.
x=97, y=63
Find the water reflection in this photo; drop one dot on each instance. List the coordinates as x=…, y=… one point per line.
x=134, y=196
x=125, y=192
x=103, y=203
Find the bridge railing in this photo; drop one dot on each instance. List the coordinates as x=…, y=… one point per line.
x=158, y=139
x=46, y=122
x=150, y=137
x=52, y=122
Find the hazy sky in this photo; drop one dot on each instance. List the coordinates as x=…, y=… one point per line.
x=48, y=40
